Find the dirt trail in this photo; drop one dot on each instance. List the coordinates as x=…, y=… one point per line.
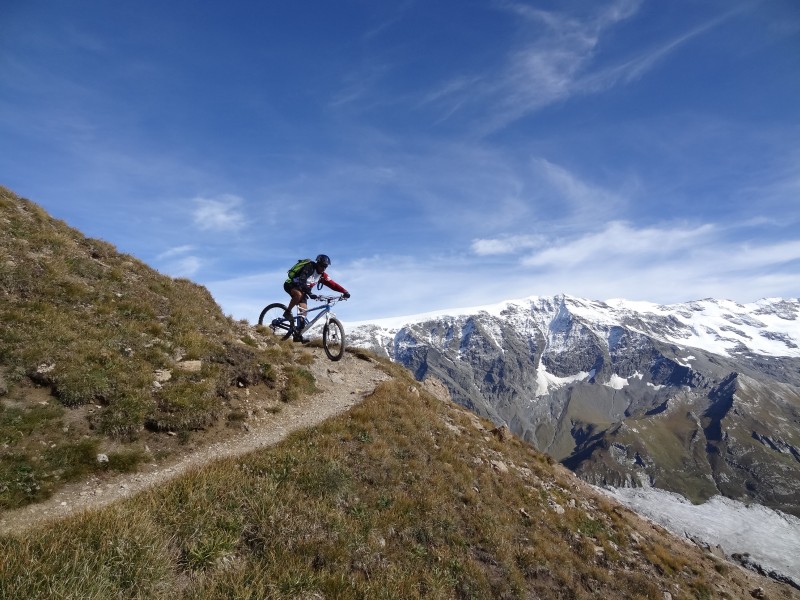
x=341, y=385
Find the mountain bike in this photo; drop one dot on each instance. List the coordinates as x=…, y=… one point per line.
x=332, y=331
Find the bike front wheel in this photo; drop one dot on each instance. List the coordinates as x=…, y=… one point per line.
x=333, y=339
x=272, y=318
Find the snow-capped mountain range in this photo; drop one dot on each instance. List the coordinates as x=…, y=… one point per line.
x=700, y=398
x=770, y=327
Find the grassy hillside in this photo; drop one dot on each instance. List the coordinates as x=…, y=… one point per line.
x=403, y=497
x=101, y=354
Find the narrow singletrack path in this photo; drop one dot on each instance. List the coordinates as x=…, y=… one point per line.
x=341, y=385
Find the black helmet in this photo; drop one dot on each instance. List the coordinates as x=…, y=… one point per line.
x=324, y=260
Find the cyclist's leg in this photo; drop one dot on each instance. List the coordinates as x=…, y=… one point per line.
x=302, y=312
x=297, y=297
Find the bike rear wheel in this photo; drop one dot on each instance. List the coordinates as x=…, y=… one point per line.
x=272, y=318
x=333, y=339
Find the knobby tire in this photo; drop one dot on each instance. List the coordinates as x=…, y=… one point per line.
x=333, y=339
x=274, y=312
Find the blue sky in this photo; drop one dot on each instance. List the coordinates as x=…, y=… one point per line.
x=443, y=153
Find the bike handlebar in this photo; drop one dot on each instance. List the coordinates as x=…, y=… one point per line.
x=329, y=299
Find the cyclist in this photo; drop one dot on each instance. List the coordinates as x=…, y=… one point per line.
x=302, y=279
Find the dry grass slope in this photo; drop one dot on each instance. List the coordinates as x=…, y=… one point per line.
x=405, y=496
x=85, y=334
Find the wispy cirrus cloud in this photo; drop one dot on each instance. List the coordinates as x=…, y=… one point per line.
x=549, y=67
x=559, y=57
x=641, y=63
x=219, y=214
x=584, y=197
x=546, y=67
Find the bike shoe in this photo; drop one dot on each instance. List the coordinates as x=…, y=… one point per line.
x=299, y=338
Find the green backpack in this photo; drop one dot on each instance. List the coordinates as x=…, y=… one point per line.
x=296, y=268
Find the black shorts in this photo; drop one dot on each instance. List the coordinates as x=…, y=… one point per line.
x=289, y=286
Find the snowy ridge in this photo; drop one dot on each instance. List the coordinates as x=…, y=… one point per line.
x=769, y=327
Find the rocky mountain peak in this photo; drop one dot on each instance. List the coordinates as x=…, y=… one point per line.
x=703, y=396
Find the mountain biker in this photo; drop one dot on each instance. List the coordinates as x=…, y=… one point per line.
x=300, y=284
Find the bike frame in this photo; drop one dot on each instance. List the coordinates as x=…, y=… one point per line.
x=325, y=310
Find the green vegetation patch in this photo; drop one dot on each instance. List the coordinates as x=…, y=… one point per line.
x=299, y=382
x=31, y=475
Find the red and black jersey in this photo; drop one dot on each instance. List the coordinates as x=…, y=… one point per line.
x=308, y=277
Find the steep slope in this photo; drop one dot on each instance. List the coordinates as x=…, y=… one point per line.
x=100, y=355
x=700, y=398
x=405, y=496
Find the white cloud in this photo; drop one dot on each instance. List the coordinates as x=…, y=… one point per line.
x=653, y=270
x=178, y=262
x=506, y=245
x=620, y=260
x=219, y=214
x=750, y=256
x=619, y=240
x=187, y=266
x=176, y=251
